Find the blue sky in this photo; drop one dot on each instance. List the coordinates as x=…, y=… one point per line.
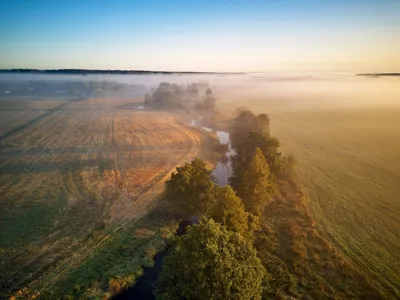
x=217, y=35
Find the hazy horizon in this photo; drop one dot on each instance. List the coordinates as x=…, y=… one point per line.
x=287, y=155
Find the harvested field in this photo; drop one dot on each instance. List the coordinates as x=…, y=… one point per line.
x=78, y=169
x=11, y=119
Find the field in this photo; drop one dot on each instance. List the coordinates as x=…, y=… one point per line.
x=75, y=176
x=78, y=179
x=348, y=162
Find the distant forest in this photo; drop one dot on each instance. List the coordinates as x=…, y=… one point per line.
x=380, y=74
x=87, y=71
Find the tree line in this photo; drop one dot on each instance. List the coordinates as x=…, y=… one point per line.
x=100, y=71
x=216, y=258
x=195, y=96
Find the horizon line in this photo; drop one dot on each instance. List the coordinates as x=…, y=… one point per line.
x=108, y=71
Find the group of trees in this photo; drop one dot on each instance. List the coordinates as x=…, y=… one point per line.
x=255, y=186
x=249, y=132
x=189, y=190
x=173, y=96
x=216, y=258
x=211, y=262
x=208, y=101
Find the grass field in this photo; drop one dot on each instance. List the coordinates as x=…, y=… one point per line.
x=74, y=179
x=349, y=163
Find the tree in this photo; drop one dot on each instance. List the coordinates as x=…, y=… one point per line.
x=147, y=98
x=193, y=89
x=228, y=210
x=255, y=187
x=264, y=121
x=245, y=123
x=165, y=96
x=209, y=102
x=189, y=190
x=211, y=262
x=269, y=146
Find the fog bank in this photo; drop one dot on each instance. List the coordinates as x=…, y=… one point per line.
x=273, y=91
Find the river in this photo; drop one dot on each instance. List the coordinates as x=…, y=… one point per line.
x=143, y=288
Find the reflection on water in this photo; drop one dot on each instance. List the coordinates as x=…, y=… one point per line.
x=223, y=170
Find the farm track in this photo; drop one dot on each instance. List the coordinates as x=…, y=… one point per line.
x=121, y=156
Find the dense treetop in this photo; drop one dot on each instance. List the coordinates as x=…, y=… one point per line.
x=228, y=210
x=189, y=190
x=255, y=187
x=211, y=262
x=196, y=96
x=245, y=123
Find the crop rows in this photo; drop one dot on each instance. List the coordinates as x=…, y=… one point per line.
x=76, y=170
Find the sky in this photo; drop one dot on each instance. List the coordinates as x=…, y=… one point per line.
x=207, y=35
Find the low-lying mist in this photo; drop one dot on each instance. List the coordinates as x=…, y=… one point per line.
x=276, y=92
x=82, y=134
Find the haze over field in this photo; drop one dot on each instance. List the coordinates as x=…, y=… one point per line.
x=341, y=128
x=250, y=150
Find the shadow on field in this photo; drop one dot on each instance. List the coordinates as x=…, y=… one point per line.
x=74, y=165
x=144, y=287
